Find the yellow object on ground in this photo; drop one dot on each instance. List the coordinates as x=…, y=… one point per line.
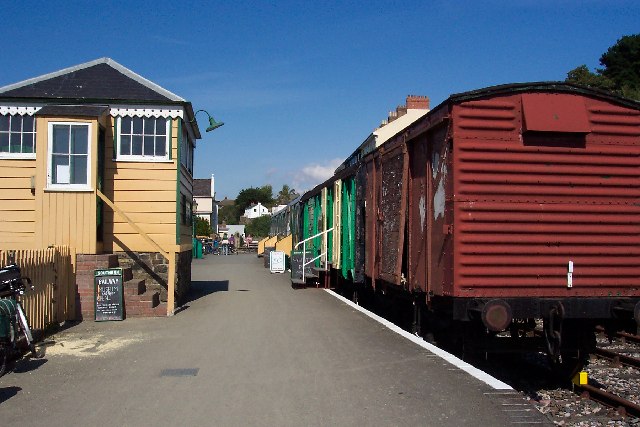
x=581, y=378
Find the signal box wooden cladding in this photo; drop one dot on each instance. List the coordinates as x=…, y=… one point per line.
x=108, y=292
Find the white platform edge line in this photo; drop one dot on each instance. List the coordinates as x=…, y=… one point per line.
x=459, y=363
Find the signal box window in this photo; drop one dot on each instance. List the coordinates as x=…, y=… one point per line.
x=143, y=138
x=17, y=136
x=68, y=156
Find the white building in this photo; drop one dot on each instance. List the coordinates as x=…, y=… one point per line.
x=207, y=206
x=255, y=211
x=234, y=229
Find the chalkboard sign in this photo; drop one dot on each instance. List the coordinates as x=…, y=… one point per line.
x=108, y=294
x=296, y=264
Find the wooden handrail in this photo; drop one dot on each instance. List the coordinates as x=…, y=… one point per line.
x=132, y=224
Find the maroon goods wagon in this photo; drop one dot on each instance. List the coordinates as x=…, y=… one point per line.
x=510, y=204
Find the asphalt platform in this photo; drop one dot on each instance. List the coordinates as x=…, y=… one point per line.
x=248, y=350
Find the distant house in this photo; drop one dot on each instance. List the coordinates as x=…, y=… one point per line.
x=223, y=229
x=100, y=159
x=206, y=205
x=226, y=202
x=255, y=210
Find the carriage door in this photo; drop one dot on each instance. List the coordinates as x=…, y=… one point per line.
x=419, y=208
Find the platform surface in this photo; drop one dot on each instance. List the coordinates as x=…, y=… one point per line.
x=246, y=350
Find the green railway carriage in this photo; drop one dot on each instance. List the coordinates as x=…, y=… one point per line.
x=281, y=221
x=314, y=223
x=325, y=219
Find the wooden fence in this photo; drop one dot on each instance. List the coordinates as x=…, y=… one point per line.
x=52, y=273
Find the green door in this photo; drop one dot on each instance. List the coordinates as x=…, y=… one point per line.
x=348, y=226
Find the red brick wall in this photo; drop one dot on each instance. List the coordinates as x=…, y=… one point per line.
x=85, y=265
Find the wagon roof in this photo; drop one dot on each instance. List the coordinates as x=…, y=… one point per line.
x=512, y=88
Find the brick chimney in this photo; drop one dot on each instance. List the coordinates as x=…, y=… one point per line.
x=416, y=102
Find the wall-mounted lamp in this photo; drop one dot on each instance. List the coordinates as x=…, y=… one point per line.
x=212, y=122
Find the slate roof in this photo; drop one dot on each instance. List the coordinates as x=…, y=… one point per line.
x=202, y=187
x=101, y=79
x=227, y=202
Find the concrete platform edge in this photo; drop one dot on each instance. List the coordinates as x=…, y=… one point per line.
x=459, y=363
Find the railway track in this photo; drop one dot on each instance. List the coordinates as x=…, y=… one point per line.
x=622, y=405
x=612, y=396
x=614, y=374
x=617, y=358
x=623, y=336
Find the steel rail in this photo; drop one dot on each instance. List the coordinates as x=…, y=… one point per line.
x=622, y=405
x=617, y=358
x=622, y=335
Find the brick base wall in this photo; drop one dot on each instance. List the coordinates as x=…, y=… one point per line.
x=85, y=266
x=150, y=267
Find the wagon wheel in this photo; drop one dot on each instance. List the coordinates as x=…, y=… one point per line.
x=568, y=364
x=577, y=342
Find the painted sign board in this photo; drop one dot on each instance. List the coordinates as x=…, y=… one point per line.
x=276, y=261
x=108, y=292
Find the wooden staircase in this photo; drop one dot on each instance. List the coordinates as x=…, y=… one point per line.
x=140, y=301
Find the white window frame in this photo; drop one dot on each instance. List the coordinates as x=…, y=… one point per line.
x=31, y=156
x=143, y=158
x=69, y=187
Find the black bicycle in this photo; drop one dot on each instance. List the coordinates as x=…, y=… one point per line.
x=14, y=327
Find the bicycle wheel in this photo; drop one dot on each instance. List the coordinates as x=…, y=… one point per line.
x=4, y=358
x=26, y=330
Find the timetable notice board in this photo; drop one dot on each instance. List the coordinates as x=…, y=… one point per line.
x=108, y=291
x=276, y=261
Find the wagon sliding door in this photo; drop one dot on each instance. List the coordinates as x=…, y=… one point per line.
x=419, y=221
x=392, y=210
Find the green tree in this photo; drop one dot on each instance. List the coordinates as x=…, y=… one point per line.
x=249, y=196
x=259, y=227
x=203, y=228
x=286, y=195
x=622, y=65
x=621, y=72
x=581, y=75
x=228, y=215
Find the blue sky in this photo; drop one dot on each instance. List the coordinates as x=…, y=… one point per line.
x=300, y=84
